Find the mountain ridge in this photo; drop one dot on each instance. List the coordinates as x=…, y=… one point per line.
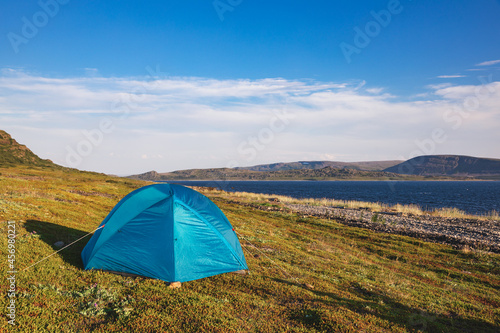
x=449, y=165
x=363, y=166
x=326, y=173
x=430, y=167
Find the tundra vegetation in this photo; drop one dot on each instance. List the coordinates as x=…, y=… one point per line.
x=307, y=274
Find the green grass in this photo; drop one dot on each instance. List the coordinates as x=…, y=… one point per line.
x=362, y=281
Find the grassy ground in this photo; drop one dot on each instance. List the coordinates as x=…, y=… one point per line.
x=306, y=274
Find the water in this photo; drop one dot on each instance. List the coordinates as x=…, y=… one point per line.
x=474, y=197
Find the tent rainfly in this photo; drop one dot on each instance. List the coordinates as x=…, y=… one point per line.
x=167, y=232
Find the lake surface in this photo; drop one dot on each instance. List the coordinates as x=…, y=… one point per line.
x=475, y=197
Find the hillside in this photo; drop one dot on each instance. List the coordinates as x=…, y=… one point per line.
x=14, y=154
x=449, y=165
x=326, y=173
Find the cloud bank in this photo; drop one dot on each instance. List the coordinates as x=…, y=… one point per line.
x=127, y=125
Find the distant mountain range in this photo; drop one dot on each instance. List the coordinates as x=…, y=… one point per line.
x=419, y=168
x=326, y=173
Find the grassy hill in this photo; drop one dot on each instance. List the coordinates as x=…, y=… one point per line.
x=306, y=274
x=13, y=154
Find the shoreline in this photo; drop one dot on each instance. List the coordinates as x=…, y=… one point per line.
x=465, y=233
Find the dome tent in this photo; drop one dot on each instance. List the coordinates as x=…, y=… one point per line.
x=167, y=232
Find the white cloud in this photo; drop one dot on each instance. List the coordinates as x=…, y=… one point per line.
x=450, y=76
x=179, y=123
x=489, y=63
x=490, y=91
x=439, y=86
x=375, y=91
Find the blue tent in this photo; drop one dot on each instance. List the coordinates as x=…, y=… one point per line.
x=167, y=232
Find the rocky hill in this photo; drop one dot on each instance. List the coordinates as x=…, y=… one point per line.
x=449, y=165
x=150, y=175
x=13, y=154
x=364, y=166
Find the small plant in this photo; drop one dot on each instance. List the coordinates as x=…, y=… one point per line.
x=375, y=217
x=95, y=301
x=102, y=302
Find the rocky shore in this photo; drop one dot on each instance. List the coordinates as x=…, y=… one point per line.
x=460, y=233
x=479, y=234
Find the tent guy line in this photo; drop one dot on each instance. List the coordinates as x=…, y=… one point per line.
x=50, y=255
x=239, y=235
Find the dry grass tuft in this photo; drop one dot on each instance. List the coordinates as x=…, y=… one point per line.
x=450, y=213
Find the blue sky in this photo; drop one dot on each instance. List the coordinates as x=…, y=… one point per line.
x=195, y=84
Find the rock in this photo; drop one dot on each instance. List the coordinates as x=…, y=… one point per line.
x=59, y=244
x=308, y=286
x=174, y=285
x=241, y=272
